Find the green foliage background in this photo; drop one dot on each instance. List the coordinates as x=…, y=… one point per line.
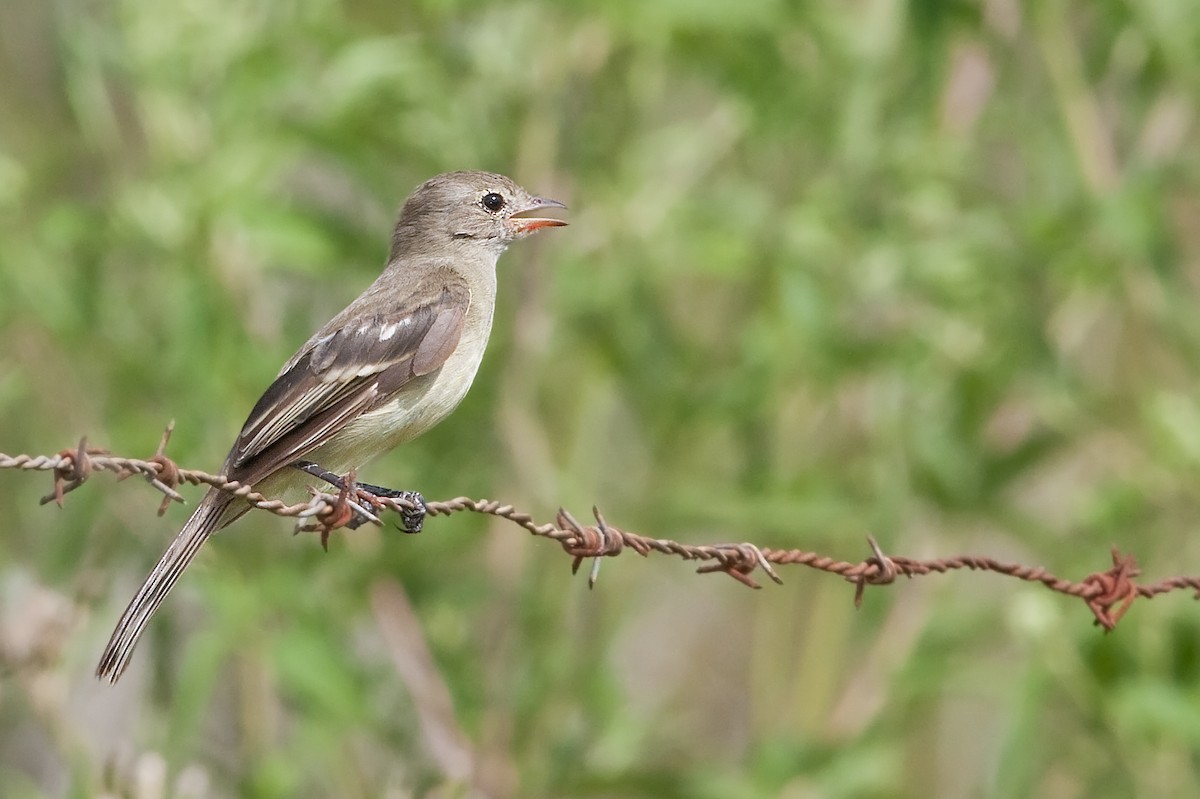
x=922, y=270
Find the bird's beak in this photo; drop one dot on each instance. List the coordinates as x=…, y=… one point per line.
x=522, y=225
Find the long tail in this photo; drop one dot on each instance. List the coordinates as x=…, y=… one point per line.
x=209, y=516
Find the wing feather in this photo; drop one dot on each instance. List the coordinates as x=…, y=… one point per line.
x=352, y=365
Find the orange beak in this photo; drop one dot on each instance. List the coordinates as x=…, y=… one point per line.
x=524, y=225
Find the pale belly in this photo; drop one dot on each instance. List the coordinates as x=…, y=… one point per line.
x=420, y=405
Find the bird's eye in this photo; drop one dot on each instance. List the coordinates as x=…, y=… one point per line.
x=492, y=201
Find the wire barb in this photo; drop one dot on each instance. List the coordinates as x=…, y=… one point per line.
x=739, y=561
x=72, y=471
x=167, y=476
x=1112, y=587
x=881, y=570
x=594, y=541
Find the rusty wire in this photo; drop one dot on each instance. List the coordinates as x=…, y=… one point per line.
x=1108, y=594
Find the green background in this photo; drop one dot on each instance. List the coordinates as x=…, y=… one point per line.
x=927, y=271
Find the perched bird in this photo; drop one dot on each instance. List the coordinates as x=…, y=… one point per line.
x=390, y=366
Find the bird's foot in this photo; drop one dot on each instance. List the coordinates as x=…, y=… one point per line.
x=349, y=510
x=412, y=518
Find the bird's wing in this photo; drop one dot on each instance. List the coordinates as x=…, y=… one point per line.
x=348, y=371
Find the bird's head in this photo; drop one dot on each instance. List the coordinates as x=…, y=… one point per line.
x=478, y=207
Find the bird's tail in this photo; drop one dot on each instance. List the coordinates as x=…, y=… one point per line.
x=209, y=516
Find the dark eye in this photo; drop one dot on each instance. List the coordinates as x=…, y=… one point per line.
x=492, y=201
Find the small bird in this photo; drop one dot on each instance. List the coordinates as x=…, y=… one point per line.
x=390, y=366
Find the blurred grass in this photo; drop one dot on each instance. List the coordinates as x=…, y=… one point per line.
x=924, y=270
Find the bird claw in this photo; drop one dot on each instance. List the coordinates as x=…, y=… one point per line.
x=411, y=507
x=354, y=499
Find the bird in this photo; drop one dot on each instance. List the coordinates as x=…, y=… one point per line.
x=391, y=365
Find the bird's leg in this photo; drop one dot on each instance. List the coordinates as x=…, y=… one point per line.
x=412, y=520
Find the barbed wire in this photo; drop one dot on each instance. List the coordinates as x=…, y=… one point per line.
x=1107, y=594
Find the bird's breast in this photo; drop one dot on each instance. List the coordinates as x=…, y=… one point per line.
x=417, y=406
